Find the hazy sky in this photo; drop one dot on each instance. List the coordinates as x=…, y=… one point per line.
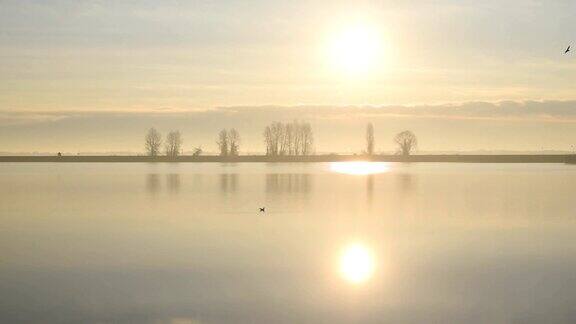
x=138, y=64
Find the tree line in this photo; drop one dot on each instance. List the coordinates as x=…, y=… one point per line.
x=228, y=142
x=281, y=139
x=295, y=138
x=406, y=141
x=172, y=145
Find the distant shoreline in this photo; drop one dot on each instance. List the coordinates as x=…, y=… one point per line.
x=448, y=158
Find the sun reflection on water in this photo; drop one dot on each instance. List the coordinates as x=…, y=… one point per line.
x=356, y=263
x=359, y=167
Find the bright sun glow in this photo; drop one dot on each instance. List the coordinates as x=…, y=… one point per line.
x=359, y=167
x=356, y=49
x=356, y=263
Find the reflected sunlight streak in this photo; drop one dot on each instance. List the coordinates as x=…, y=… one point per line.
x=356, y=263
x=359, y=167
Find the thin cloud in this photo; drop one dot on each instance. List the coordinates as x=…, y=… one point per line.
x=543, y=111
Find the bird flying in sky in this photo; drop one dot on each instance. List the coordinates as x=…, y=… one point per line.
x=567, y=49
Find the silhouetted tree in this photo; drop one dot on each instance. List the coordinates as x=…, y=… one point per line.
x=234, y=142
x=197, y=151
x=279, y=131
x=307, y=144
x=223, y=142
x=288, y=139
x=268, y=140
x=406, y=141
x=173, y=143
x=274, y=137
x=369, y=139
x=297, y=138
x=152, y=142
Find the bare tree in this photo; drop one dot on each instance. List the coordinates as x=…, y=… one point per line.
x=277, y=139
x=173, y=144
x=297, y=137
x=152, y=142
x=288, y=139
x=268, y=140
x=406, y=141
x=197, y=151
x=369, y=139
x=279, y=130
x=273, y=137
x=234, y=142
x=307, y=139
x=223, y=142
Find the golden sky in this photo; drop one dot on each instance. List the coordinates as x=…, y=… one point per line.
x=184, y=56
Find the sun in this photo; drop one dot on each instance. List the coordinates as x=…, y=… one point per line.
x=355, y=50
x=356, y=263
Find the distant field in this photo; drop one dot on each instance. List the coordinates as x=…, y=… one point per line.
x=311, y=158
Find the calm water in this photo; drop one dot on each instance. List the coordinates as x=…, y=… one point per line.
x=185, y=243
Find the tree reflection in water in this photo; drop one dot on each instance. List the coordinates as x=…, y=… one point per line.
x=278, y=183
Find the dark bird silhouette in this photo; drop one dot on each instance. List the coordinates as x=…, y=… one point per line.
x=567, y=50
x=262, y=209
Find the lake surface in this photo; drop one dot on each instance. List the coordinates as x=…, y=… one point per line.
x=338, y=243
